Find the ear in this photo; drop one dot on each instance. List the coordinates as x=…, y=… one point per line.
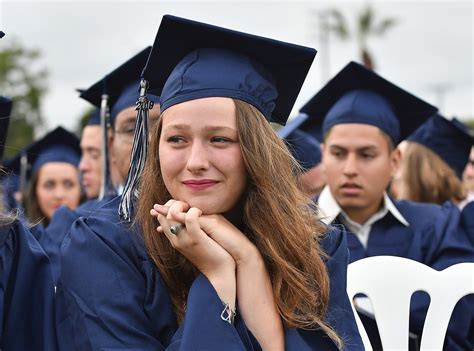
x=321, y=146
x=395, y=159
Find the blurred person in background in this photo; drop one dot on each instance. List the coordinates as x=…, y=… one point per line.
x=90, y=164
x=53, y=177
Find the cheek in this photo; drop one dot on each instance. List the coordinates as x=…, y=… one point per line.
x=43, y=195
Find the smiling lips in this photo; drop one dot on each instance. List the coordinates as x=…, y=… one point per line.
x=200, y=184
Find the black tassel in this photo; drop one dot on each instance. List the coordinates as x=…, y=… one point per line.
x=138, y=157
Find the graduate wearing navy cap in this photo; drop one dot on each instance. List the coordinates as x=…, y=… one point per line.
x=362, y=118
x=90, y=164
x=52, y=174
x=26, y=282
x=134, y=301
x=121, y=89
x=433, y=159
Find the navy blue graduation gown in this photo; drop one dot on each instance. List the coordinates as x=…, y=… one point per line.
x=51, y=237
x=26, y=292
x=111, y=297
x=435, y=238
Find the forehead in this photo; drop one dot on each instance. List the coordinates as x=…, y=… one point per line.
x=355, y=135
x=129, y=115
x=57, y=169
x=90, y=132
x=213, y=111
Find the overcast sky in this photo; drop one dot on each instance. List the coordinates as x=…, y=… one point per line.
x=431, y=47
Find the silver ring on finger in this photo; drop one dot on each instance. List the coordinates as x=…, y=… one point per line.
x=176, y=228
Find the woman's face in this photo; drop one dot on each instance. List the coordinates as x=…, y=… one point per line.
x=58, y=184
x=200, y=157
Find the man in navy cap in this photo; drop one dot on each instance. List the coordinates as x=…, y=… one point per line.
x=91, y=158
x=121, y=87
x=365, y=117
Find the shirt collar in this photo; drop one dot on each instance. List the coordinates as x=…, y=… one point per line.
x=330, y=209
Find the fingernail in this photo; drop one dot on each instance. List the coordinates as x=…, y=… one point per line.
x=159, y=229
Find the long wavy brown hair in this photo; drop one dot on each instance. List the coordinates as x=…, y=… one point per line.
x=427, y=178
x=279, y=219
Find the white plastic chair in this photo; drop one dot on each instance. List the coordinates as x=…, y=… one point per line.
x=390, y=281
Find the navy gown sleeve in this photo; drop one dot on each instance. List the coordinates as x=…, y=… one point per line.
x=26, y=292
x=203, y=328
x=51, y=237
x=339, y=315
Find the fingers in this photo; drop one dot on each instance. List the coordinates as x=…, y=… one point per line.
x=191, y=220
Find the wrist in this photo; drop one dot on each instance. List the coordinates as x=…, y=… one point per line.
x=250, y=258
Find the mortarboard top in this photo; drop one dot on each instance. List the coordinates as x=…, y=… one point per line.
x=5, y=110
x=359, y=95
x=115, y=82
x=1, y=34
x=58, y=145
x=192, y=60
x=449, y=139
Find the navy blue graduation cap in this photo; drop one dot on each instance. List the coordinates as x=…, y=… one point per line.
x=359, y=95
x=304, y=147
x=5, y=110
x=116, y=91
x=449, y=139
x=117, y=81
x=192, y=60
x=94, y=118
x=1, y=34
x=58, y=145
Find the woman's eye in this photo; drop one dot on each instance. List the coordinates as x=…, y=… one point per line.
x=68, y=184
x=48, y=185
x=220, y=140
x=176, y=139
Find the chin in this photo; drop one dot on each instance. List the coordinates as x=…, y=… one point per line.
x=350, y=202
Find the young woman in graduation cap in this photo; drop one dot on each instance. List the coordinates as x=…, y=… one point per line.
x=239, y=260
x=218, y=179
x=433, y=159
x=53, y=176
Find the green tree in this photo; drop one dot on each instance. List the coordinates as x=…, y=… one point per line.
x=25, y=83
x=367, y=26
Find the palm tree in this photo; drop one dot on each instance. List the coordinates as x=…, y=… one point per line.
x=366, y=27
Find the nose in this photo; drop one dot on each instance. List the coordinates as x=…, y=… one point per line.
x=198, y=159
x=59, y=192
x=83, y=164
x=350, y=165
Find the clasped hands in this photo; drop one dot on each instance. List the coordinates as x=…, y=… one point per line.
x=210, y=242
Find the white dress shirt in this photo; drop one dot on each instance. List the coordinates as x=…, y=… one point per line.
x=330, y=209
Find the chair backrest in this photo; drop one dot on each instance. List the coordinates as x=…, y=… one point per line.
x=389, y=283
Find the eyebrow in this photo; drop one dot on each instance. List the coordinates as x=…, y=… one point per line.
x=361, y=148
x=207, y=128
